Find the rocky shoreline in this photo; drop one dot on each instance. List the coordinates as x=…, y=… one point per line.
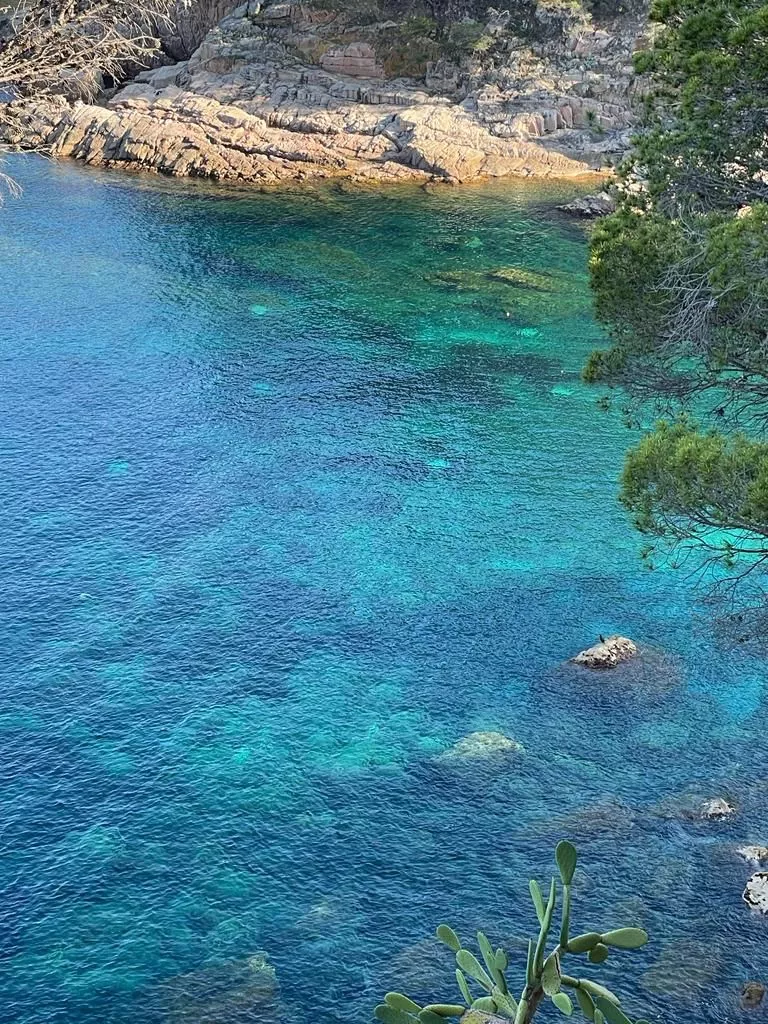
x=266, y=96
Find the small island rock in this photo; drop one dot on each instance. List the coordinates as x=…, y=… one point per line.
x=481, y=745
x=756, y=892
x=590, y=207
x=717, y=809
x=754, y=854
x=752, y=994
x=607, y=653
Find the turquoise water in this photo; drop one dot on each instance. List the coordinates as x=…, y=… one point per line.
x=295, y=495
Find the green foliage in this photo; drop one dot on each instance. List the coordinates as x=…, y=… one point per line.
x=406, y=48
x=544, y=980
x=700, y=487
x=707, y=114
x=466, y=37
x=680, y=278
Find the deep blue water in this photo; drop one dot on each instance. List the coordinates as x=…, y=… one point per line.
x=287, y=511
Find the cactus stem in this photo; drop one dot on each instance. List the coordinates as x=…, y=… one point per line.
x=565, y=927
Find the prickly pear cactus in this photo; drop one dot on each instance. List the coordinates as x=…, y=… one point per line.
x=483, y=983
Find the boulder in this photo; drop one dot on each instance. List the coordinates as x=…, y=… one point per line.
x=482, y=745
x=607, y=653
x=754, y=854
x=590, y=207
x=717, y=809
x=756, y=892
x=752, y=994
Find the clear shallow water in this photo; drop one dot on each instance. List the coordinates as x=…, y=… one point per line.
x=286, y=513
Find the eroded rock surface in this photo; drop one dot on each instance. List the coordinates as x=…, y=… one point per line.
x=270, y=93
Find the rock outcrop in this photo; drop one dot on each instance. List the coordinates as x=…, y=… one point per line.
x=271, y=93
x=756, y=892
x=693, y=806
x=590, y=207
x=607, y=653
x=717, y=809
x=754, y=854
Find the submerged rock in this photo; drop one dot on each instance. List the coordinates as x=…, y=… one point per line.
x=523, y=277
x=693, y=806
x=225, y=993
x=607, y=653
x=683, y=970
x=756, y=892
x=420, y=967
x=482, y=745
x=752, y=994
x=754, y=854
x=608, y=818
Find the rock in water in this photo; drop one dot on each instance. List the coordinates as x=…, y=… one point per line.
x=693, y=806
x=607, y=654
x=717, y=809
x=754, y=854
x=483, y=744
x=752, y=994
x=756, y=892
x=590, y=207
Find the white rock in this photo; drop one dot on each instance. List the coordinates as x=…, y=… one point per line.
x=754, y=854
x=756, y=892
x=607, y=653
x=717, y=809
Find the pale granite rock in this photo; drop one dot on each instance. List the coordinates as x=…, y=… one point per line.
x=607, y=653
x=269, y=93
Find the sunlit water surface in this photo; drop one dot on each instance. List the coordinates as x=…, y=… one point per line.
x=296, y=495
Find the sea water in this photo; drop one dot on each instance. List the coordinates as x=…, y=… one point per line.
x=298, y=489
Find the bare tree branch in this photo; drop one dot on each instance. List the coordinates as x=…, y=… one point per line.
x=71, y=47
